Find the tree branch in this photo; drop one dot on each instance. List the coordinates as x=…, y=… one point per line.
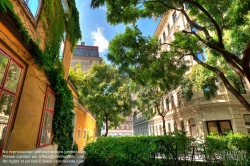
x=241, y=99
x=218, y=30
x=192, y=23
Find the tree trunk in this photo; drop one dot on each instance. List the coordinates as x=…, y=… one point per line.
x=246, y=64
x=107, y=127
x=164, y=125
x=227, y=84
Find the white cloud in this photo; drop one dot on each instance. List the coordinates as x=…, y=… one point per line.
x=99, y=40
x=104, y=8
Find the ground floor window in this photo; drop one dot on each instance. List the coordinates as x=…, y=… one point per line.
x=10, y=74
x=247, y=122
x=46, y=126
x=192, y=127
x=169, y=127
x=219, y=127
x=182, y=126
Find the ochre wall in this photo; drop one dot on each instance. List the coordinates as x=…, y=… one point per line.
x=28, y=109
x=83, y=121
x=29, y=106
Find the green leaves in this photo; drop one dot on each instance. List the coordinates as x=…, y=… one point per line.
x=104, y=91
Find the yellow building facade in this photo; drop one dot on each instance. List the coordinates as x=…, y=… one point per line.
x=27, y=99
x=83, y=121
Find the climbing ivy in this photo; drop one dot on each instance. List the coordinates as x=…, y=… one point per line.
x=54, y=21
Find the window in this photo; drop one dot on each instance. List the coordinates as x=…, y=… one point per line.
x=46, y=127
x=175, y=126
x=65, y=6
x=192, y=127
x=32, y=6
x=164, y=36
x=169, y=127
x=186, y=5
x=62, y=46
x=247, y=122
x=174, y=16
x=219, y=127
x=168, y=28
x=172, y=101
x=78, y=134
x=10, y=74
x=239, y=86
x=160, y=41
x=182, y=126
x=84, y=134
x=188, y=98
x=179, y=98
x=167, y=103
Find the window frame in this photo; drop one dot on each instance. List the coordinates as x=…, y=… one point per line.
x=45, y=110
x=174, y=16
x=239, y=86
x=63, y=43
x=14, y=94
x=246, y=122
x=33, y=19
x=164, y=36
x=218, y=124
x=168, y=27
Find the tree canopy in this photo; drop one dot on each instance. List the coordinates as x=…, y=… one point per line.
x=222, y=30
x=105, y=92
x=151, y=102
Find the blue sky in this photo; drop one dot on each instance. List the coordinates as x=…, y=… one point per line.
x=97, y=32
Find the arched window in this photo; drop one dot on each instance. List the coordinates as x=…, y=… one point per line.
x=182, y=126
x=169, y=127
x=192, y=127
x=175, y=126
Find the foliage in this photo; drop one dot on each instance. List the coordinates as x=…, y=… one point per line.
x=54, y=27
x=105, y=92
x=173, y=149
x=73, y=25
x=75, y=149
x=234, y=148
x=150, y=102
x=139, y=151
x=145, y=65
x=221, y=28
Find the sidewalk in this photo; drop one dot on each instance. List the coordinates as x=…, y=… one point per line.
x=73, y=161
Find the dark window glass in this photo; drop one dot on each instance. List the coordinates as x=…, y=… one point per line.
x=164, y=36
x=239, y=85
x=174, y=16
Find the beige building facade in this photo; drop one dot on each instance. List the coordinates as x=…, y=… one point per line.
x=86, y=56
x=196, y=116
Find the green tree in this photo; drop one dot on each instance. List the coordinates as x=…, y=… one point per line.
x=222, y=29
x=106, y=93
x=150, y=102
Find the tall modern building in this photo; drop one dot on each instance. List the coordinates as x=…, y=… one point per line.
x=197, y=116
x=86, y=56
